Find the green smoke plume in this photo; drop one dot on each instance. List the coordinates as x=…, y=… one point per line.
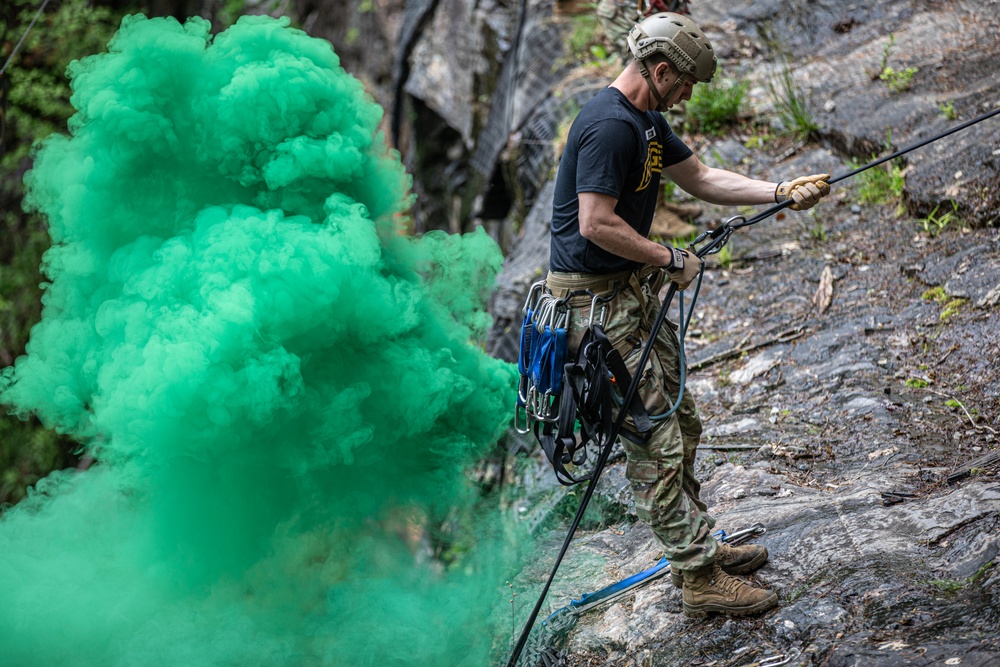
x=279, y=389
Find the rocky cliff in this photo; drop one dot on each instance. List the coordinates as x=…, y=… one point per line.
x=859, y=426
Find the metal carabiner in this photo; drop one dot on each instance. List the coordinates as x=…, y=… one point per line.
x=593, y=307
x=530, y=300
x=549, y=409
x=544, y=312
x=561, y=319
x=522, y=409
x=755, y=530
x=522, y=388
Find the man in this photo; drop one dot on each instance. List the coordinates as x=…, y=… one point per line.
x=606, y=191
x=671, y=219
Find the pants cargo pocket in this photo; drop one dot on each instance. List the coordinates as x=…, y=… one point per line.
x=644, y=476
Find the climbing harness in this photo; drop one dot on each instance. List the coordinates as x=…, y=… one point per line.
x=714, y=241
x=569, y=404
x=540, y=648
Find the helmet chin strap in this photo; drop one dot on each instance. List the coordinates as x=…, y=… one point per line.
x=661, y=101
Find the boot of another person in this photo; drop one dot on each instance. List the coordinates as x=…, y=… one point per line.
x=732, y=560
x=710, y=590
x=687, y=211
x=667, y=225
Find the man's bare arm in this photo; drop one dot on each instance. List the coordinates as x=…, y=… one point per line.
x=718, y=186
x=600, y=224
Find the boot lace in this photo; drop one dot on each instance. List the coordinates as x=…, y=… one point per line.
x=726, y=583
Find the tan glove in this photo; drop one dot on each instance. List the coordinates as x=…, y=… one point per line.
x=805, y=190
x=683, y=268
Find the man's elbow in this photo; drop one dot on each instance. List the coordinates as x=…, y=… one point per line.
x=590, y=228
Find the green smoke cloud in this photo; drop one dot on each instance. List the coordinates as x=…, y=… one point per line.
x=280, y=389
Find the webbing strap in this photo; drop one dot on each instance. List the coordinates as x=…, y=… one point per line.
x=590, y=381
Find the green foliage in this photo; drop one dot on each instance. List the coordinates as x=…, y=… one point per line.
x=956, y=585
x=37, y=105
x=935, y=294
x=758, y=140
x=669, y=188
x=790, y=105
x=231, y=10
x=725, y=255
x=916, y=383
x=948, y=585
x=817, y=230
x=715, y=106
x=952, y=308
x=935, y=222
x=886, y=52
x=898, y=81
x=948, y=109
x=881, y=185
x=585, y=36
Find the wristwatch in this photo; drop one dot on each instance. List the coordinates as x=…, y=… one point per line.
x=677, y=263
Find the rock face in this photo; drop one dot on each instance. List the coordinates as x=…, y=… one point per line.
x=834, y=427
x=478, y=118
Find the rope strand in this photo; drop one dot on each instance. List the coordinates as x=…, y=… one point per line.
x=21, y=41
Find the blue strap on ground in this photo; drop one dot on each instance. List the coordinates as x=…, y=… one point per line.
x=590, y=599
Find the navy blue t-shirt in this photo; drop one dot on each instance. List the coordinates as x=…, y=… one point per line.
x=613, y=149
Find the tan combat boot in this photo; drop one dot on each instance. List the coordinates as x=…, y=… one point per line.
x=687, y=211
x=709, y=589
x=667, y=225
x=732, y=560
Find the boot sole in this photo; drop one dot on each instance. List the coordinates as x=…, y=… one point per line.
x=703, y=610
x=678, y=580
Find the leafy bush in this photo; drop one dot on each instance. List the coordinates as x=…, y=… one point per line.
x=37, y=105
x=715, y=106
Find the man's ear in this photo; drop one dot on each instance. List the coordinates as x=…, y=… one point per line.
x=665, y=72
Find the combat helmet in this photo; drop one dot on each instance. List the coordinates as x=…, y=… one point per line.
x=679, y=39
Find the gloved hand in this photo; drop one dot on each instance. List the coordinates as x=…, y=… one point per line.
x=805, y=190
x=683, y=268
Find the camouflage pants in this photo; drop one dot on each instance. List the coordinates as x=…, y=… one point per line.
x=661, y=471
x=616, y=18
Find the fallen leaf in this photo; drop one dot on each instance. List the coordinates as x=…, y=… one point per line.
x=824, y=293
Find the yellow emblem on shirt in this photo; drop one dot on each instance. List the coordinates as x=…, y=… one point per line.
x=654, y=164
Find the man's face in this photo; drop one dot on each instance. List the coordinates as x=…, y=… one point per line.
x=684, y=92
x=667, y=77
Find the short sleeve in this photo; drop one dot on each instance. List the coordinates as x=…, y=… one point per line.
x=674, y=150
x=606, y=150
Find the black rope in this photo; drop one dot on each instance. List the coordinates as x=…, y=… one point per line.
x=836, y=179
x=717, y=239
